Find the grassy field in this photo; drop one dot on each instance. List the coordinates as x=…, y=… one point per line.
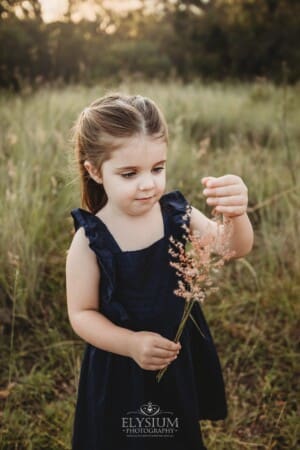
x=248, y=129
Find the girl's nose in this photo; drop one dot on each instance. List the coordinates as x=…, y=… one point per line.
x=146, y=182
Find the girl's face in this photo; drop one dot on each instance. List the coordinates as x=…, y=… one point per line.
x=134, y=177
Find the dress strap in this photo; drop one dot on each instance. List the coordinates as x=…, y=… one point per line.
x=178, y=211
x=95, y=230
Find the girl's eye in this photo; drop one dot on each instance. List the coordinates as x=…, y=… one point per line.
x=130, y=174
x=127, y=175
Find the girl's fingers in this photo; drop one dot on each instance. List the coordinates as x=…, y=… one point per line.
x=235, y=200
x=233, y=189
x=221, y=181
x=231, y=210
x=206, y=179
x=167, y=345
x=161, y=353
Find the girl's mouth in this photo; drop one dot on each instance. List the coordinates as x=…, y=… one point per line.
x=145, y=198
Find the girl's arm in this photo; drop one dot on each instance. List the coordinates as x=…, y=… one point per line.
x=82, y=287
x=239, y=228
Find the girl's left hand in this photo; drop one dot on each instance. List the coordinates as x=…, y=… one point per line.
x=228, y=194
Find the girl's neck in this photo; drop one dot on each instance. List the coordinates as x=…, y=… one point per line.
x=134, y=232
x=110, y=215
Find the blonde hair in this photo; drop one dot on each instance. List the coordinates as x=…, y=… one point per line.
x=102, y=127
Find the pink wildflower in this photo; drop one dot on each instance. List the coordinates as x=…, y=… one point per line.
x=196, y=267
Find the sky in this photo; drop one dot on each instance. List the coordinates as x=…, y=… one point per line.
x=54, y=9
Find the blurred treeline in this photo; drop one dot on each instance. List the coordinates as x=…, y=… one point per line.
x=216, y=39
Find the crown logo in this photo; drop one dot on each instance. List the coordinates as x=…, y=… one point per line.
x=149, y=409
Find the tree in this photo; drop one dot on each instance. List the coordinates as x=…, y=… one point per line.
x=29, y=9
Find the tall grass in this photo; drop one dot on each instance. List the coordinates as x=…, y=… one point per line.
x=248, y=129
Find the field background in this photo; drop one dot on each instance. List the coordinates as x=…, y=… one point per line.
x=250, y=129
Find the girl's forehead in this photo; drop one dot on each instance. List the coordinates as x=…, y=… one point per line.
x=140, y=148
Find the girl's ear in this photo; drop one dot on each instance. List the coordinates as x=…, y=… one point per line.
x=92, y=172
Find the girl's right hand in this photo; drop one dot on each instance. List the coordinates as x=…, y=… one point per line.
x=151, y=351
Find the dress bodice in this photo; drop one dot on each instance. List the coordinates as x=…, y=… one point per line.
x=135, y=285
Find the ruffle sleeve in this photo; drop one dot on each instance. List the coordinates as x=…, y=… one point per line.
x=179, y=213
x=100, y=243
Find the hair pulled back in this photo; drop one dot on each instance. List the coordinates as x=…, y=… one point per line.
x=102, y=127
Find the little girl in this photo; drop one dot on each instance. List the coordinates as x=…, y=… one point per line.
x=120, y=286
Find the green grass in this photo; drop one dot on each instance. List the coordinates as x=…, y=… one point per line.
x=248, y=129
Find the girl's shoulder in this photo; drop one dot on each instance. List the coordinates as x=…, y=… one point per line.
x=88, y=228
x=174, y=196
x=184, y=213
x=80, y=249
x=175, y=202
x=82, y=218
x=92, y=225
x=177, y=211
x=82, y=270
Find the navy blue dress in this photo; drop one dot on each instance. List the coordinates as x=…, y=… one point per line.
x=119, y=404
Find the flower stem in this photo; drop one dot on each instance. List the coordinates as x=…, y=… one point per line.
x=186, y=312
